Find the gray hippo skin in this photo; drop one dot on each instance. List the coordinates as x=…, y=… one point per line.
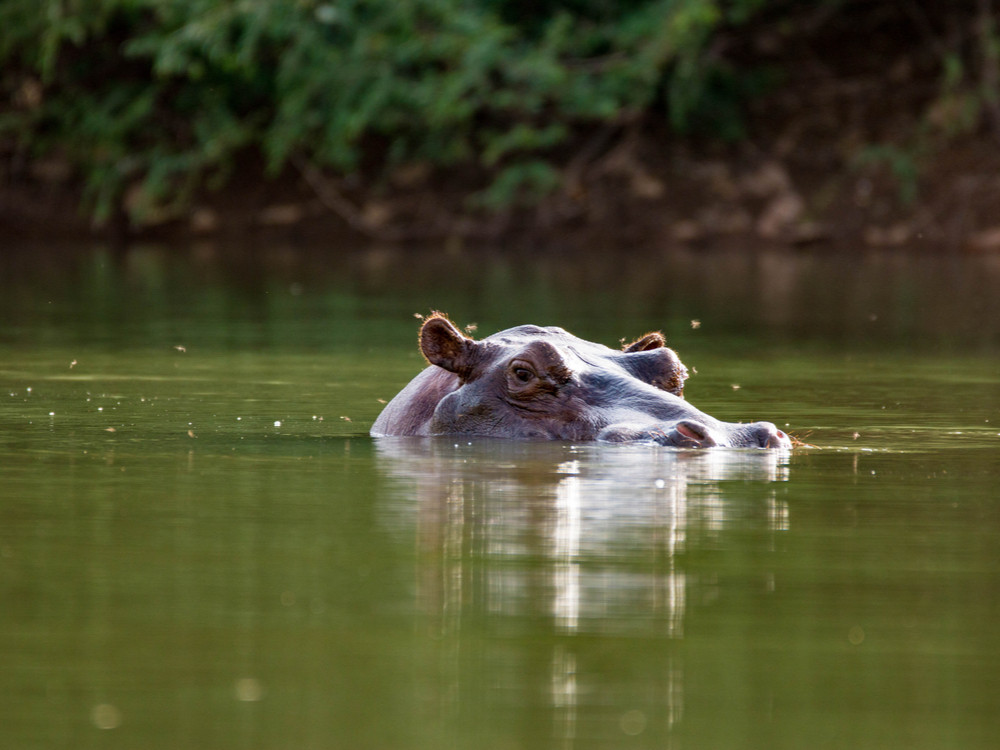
x=532, y=383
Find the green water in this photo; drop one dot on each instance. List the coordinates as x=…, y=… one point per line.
x=200, y=547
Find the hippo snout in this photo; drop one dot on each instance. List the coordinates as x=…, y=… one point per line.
x=692, y=433
x=689, y=433
x=766, y=435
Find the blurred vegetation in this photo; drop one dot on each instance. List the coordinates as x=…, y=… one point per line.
x=167, y=93
x=150, y=100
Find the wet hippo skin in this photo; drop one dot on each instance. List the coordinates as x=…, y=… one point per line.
x=533, y=383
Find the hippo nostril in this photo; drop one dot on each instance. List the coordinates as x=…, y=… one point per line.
x=691, y=431
x=769, y=436
x=690, y=434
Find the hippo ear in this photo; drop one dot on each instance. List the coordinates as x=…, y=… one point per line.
x=658, y=366
x=645, y=343
x=675, y=382
x=446, y=346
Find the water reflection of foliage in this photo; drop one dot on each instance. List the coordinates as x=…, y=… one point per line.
x=279, y=296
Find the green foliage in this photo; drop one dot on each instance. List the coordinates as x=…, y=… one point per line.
x=520, y=183
x=153, y=98
x=901, y=163
x=968, y=97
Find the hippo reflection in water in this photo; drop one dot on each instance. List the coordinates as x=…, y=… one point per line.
x=532, y=383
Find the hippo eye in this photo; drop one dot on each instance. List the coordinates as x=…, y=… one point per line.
x=523, y=374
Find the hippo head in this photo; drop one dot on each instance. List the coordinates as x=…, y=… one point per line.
x=544, y=383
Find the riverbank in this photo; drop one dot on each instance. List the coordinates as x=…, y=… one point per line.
x=644, y=190
x=890, y=143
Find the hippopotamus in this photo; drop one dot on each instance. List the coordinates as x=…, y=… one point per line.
x=535, y=383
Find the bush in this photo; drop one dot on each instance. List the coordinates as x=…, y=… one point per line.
x=152, y=99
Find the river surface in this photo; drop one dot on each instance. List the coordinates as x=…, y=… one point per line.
x=200, y=546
